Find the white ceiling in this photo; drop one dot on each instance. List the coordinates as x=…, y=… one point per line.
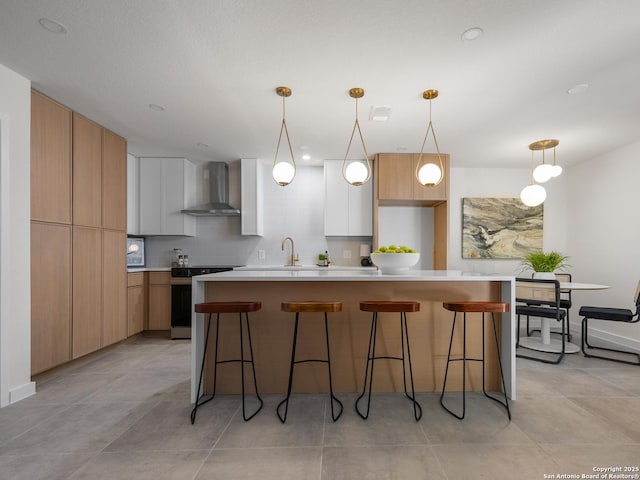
x=214, y=65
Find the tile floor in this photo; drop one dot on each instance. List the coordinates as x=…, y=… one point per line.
x=124, y=414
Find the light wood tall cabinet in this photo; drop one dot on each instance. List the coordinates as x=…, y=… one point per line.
x=78, y=228
x=51, y=295
x=396, y=186
x=114, y=287
x=87, y=172
x=50, y=160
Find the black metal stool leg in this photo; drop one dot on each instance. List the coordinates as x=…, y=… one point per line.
x=204, y=356
x=446, y=372
x=504, y=387
x=293, y=358
x=332, y=397
x=417, y=409
x=253, y=368
x=371, y=353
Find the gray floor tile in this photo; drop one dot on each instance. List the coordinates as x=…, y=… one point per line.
x=625, y=378
x=41, y=467
x=485, y=421
x=169, y=424
x=263, y=464
x=66, y=389
x=390, y=422
x=559, y=420
x=142, y=466
x=303, y=428
x=410, y=462
x=623, y=412
x=494, y=462
x=581, y=459
x=137, y=387
x=20, y=417
x=81, y=428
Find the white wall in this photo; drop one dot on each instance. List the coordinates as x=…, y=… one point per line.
x=503, y=182
x=15, y=245
x=604, y=234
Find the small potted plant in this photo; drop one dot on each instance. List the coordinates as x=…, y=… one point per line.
x=544, y=264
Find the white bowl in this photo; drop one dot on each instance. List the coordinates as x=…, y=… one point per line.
x=394, y=263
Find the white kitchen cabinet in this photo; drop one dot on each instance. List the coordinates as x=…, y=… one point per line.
x=348, y=210
x=133, y=200
x=252, y=197
x=167, y=186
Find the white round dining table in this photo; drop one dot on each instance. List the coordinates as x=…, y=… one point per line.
x=544, y=343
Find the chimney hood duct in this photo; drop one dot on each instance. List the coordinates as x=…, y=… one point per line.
x=218, y=205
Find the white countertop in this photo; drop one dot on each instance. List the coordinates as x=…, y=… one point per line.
x=299, y=268
x=148, y=269
x=357, y=274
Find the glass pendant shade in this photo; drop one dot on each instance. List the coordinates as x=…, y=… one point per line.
x=284, y=171
x=556, y=171
x=543, y=173
x=533, y=195
x=429, y=174
x=356, y=173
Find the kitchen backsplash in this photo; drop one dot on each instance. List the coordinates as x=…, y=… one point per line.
x=295, y=211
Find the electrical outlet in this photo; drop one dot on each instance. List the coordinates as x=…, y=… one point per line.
x=261, y=254
x=346, y=254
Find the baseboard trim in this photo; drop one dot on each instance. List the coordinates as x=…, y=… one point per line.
x=605, y=336
x=22, y=392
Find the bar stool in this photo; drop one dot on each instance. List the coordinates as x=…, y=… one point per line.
x=401, y=307
x=305, y=307
x=227, y=307
x=474, y=307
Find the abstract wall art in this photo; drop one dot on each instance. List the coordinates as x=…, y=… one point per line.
x=500, y=228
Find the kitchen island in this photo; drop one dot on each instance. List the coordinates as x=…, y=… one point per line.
x=429, y=329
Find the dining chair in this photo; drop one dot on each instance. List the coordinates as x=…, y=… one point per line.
x=540, y=298
x=565, y=303
x=610, y=315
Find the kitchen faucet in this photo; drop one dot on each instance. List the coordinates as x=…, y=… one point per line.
x=294, y=258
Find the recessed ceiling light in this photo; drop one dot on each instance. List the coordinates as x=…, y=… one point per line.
x=306, y=156
x=52, y=26
x=380, y=113
x=471, y=34
x=580, y=88
x=155, y=107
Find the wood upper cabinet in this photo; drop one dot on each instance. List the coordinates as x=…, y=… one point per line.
x=87, y=290
x=396, y=180
x=50, y=295
x=87, y=172
x=50, y=160
x=114, y=181
x=114, y=287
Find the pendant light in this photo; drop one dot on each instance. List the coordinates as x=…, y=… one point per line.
x=356, y=173
x=284, y=171
x=430, y=174
x=534, y=194
x=544, y=172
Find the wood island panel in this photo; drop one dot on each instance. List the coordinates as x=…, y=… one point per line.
x=429, y=332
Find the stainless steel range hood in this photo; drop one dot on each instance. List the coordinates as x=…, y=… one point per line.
x=218, y=205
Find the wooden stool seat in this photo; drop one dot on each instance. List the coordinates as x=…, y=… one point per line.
x=228, y=307
x=217, y=308
x=477, y=307
x=311, y=306
x=323, y=307
x=465, y=307
x=389, y=306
